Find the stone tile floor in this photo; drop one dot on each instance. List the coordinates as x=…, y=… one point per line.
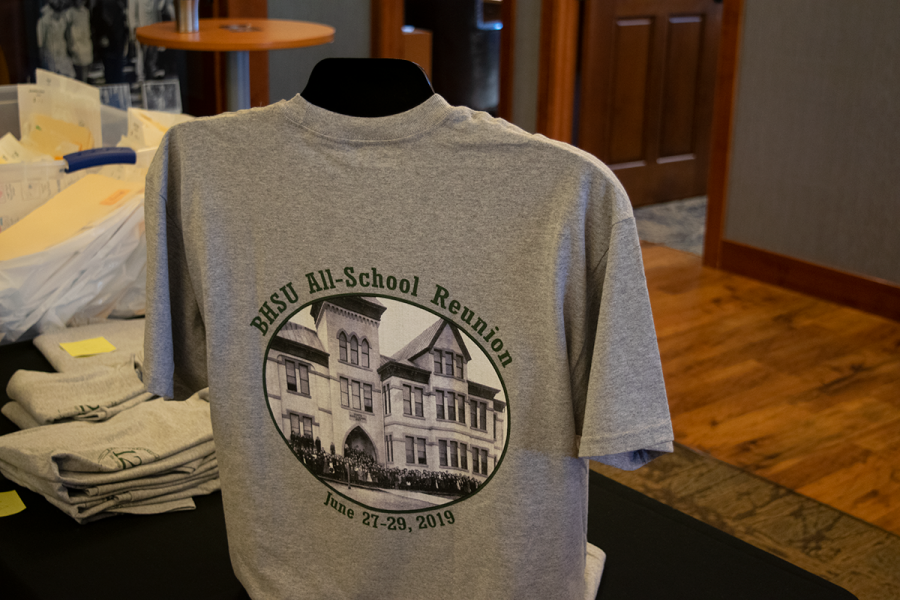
x=679, y=224
x=857, y=556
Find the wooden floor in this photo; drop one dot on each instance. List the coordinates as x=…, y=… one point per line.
x=797, y=390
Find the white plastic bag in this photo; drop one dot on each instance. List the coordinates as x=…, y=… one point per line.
x=79, y=280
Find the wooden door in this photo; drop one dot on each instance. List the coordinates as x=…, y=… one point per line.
x=647, y=75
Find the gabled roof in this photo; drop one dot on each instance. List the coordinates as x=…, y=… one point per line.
x=301, y=335
x=424, y=342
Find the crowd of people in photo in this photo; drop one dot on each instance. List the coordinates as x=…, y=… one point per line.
x=357, y=467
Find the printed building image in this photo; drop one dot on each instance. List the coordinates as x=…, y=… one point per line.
x=411, y=423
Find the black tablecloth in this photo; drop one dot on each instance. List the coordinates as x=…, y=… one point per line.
x=653, y=551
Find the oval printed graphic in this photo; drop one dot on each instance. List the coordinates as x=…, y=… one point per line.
x=386, y=403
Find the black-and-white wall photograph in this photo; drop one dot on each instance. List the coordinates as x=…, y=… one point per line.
x=94, y=41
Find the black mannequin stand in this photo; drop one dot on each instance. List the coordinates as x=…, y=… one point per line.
x=367, y=87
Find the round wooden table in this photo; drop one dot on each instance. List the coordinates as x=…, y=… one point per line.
x=237, y=38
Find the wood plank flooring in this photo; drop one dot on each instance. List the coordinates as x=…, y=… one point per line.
x=802, y=392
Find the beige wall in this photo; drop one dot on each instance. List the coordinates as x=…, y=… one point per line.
x=815, y=164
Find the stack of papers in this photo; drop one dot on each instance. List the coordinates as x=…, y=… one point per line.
x=83, y=204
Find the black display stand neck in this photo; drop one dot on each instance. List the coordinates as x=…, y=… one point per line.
x=367, y=87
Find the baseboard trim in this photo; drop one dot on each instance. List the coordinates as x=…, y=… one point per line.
x=872, y=295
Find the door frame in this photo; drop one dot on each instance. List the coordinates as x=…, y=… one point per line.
x=557, y=67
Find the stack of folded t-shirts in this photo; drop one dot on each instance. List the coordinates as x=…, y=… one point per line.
x=95, y=394
x=95, y=443
x=126, y=335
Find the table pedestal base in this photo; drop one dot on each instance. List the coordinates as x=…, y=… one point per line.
x=238, y=80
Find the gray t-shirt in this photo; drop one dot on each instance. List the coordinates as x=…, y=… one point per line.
x=415, y=329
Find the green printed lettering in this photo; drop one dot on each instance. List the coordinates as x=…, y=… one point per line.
x=268, y=313
x=128, y=461
x=351, y=280
x=377, y=279
x=440, y=294
x=314, y=286
x=289, y=287
x=278, y=303
x=260, y=324
x=481, y=329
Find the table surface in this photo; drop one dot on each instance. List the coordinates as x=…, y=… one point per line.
x=653, y=550
x=225, y=35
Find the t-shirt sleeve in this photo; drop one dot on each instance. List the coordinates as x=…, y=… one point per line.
x=174, y=334
x=624, y=415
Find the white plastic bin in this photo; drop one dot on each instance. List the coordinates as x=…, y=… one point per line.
x=25, y=186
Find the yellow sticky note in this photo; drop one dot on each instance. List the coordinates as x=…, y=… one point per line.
x=98, y=345
x=10, y=503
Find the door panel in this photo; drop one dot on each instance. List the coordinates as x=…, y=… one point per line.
x=647, y=77
x=680, y=85
x=629, y=89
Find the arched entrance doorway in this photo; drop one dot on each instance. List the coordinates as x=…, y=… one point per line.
x=358, y=442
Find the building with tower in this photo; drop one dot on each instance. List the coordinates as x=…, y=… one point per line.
x=416, y=409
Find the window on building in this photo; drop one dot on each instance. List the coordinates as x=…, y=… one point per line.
x=389, y=448
x=495, y=426
x=484, y=462
x=407, y=400
x=463, y=457
x=459, y=366
x=410, y=450
x=462, y=409
x=291, y=375
x=292, y=370
x=367, y=397
x=421, y=447
x=307, y=427
x=365, y=353
x=420, y=409
x=442, y=452
x=303, y=371
x=354, y=351
x=386, y=397
x=295, y=423
x=454, y=454
x=475, y=459
x=354, y=386
x=483, y=416
x=451, y=406
x=345, y=391
x=439, y=403
x=474, y=414
x=448, y=364
x=342, y=342
x=438, y=367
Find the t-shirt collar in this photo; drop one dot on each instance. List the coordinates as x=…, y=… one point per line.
x=417, y=120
